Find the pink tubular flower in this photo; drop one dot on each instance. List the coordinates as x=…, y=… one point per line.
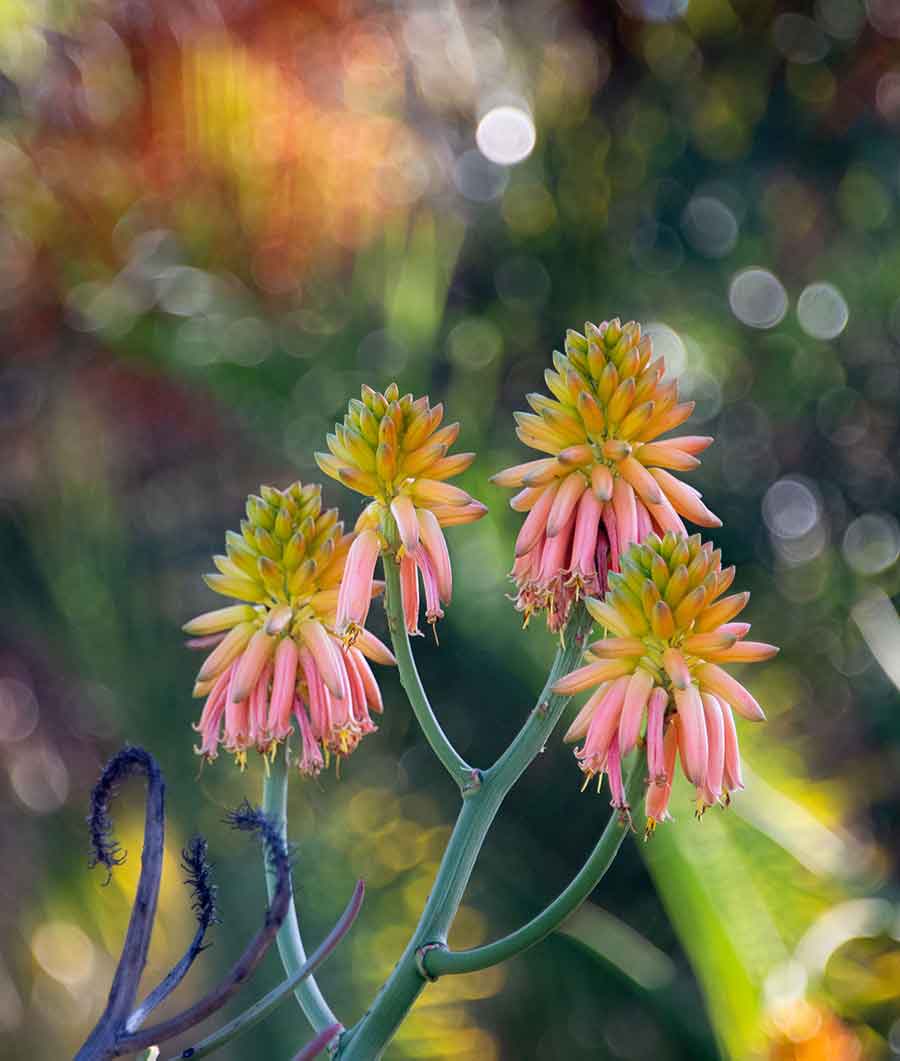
x=392, y=449
x=605, y=484
x=659, y=673
x=278, y=663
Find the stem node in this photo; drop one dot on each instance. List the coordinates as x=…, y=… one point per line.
x=421, y=956
x=473, y=784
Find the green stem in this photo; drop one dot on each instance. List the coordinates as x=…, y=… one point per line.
x=451, y=760
x=289, y=941
x=368, y=1039
x=440, y=962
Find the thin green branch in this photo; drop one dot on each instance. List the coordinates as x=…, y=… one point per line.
x=452, y=761
x=438, y=961
x=367, y=1040
x=266, y=1005
x=289, y=940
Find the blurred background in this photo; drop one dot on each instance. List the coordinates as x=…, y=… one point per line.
x=220, y=218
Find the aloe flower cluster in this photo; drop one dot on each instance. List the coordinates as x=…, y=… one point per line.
x=278, y=662
x=394, y=450
x=605, y=522
x=604, y=538
x=607, y=481
x=659, y=674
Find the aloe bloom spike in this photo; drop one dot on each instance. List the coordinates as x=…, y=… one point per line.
x=393, y=450
x=659, y=673
x=606, y=482
x=279, y=663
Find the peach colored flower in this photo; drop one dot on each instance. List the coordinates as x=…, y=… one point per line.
x=392, y=449
x=606, y=482
x=277, y=660
x=659, y=673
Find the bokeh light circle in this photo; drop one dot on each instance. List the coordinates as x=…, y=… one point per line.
x=887, y=96
x=474, y=343
x=822, y=311
x=18, y=711
x=63, y=951
x=884, y=16
x=709, y=226
x=506, y=135
x=669, y=345
x=842, y=19
x=758, y=298
x=799, y=38
x=790, y=509
x=479, y=179
x=872, y=543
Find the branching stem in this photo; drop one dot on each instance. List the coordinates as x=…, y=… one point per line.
x=368, y=1039
x=451, y=760
x=438, y=961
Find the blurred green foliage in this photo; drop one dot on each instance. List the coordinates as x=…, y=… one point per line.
x=214, y=230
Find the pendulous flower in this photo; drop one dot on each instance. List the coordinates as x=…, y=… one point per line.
x=393, y=449
x=660, y=673
x=606, y=482
x=277, y=660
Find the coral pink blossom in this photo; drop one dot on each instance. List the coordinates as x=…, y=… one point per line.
x=656, y=680
x=278, y=665
x=393, y=449
x=605, y=484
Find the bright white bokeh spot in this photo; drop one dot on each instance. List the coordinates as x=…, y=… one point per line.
x=758, y=298
x=872, y=543
x=668, y=344
x=790, y=509
x=822, y=311
x=506, y=135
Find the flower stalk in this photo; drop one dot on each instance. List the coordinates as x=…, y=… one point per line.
x=371, y=1035
x=440, y=743
x=603, y=540
x=289, y=941
x=439, y=961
